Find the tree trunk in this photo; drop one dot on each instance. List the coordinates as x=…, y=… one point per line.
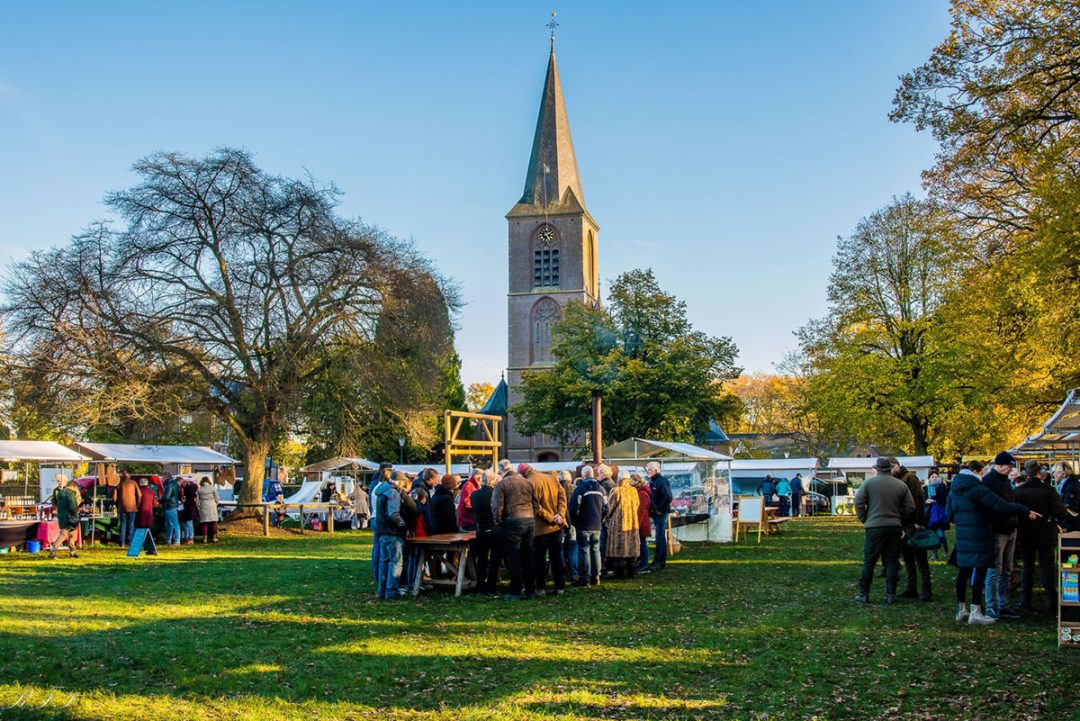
x=255, y=452
x=920, y=430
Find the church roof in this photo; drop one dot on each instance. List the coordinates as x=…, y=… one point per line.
x=552, y=183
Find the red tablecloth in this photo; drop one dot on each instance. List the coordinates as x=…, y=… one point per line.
x=47, y=532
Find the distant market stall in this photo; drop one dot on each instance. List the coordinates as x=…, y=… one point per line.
x=853, y=471
x=187, y=461
x=748, y=474
x=1059, y=439
x=700, y=483
x=21, y=514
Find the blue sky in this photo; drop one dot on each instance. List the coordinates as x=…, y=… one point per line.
x=724, y=144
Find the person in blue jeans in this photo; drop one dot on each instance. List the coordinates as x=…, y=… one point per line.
x=170, y=502
x=381, y=476
x=586, y=513
x=390, y=527
x=661, y=507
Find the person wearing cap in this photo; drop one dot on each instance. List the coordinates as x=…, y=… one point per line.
x=1038, y=538
x=514, y=505
x=916, y=561
x=999, y=573
x=884, y=505
x=972, y=508
x=549, y=522
x=66, y=502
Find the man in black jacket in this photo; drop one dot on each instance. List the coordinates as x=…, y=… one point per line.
x=658, y=512
x=998, y=575
x=1038, y=538
x=586, y=512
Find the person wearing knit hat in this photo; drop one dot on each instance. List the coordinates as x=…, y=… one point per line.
x=884, y=505
x=999, y=573
x=514, y=503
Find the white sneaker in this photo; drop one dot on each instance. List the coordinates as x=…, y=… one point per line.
x=961, y=613
x=976, y=618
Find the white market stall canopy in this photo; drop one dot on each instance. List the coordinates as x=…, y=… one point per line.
x=333, y=464
x=920, y=465
x=640, y=448
x=130, y=453
x=414, y=469
x=774, y=466
x=1060, y=434
x=38, y=452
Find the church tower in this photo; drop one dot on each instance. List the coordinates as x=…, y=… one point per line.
x=552, y=257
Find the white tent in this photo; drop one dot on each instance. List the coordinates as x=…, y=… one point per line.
x=38, y=452
x=642, y=449
x=700, y=482
x=56, y=456
x=339, y=462
x=859, y=469
x=132, y=453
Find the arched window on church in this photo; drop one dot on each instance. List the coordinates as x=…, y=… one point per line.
x=545, y=315
x=545, y=258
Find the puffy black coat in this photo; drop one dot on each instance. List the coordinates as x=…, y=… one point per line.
x=972, y=508
x=443, y=513
x=999, y=484
x=1042, y=499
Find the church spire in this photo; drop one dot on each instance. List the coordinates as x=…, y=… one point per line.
x=553, y=171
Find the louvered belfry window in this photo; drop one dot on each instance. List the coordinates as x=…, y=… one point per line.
x=545, y=259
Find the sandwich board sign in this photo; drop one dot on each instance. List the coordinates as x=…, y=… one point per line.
x=142, y=538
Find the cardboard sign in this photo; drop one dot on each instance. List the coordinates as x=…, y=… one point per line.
x=142, y=538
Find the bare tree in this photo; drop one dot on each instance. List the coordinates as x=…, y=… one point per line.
x=225, y=288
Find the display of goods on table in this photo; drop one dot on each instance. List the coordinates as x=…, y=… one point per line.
x=18, y=508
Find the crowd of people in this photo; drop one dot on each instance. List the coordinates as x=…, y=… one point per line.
x=531, y=527
x=997, y=512
x=186, y=505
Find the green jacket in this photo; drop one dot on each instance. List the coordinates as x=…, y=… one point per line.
x=67, y=507
x=884, y=502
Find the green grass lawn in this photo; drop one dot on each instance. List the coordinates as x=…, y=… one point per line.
x=287, y=628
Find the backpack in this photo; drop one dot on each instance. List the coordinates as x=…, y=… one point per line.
x=939, y=517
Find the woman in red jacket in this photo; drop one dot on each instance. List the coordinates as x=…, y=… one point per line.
x=144, y=517
x=644, y=527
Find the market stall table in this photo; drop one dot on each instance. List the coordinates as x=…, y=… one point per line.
x=47, y=532
x=16, y=533
x=445, y=549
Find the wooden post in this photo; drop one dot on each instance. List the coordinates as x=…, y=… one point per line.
x=597, y=426
x=330, y=519
x=266, y=521
x=301, y=519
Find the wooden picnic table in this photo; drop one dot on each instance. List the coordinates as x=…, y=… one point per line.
x=447, y=558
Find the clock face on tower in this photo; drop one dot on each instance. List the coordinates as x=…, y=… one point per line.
x=545, y=237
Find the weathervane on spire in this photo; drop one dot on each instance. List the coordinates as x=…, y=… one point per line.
x=552, y=24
